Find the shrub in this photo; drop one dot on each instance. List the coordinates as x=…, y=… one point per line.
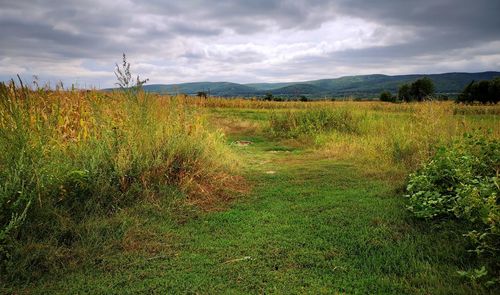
x=462, y=182
x=387, y=96
x=202, y=94
x=268, y=97
x=314, y=121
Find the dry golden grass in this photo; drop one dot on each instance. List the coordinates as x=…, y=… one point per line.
x=402, y=137
x=70, y=156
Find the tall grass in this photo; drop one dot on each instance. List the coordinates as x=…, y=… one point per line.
x=313, y=122
x=69, y=156
x=403, y=140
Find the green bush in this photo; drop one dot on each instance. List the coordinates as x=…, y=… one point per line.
x=387, y=96
x=462, y=182
x=269, y=97
x=313, y=121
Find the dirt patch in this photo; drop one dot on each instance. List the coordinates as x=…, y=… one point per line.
x=215, y=198
x=235, y=126
x=144, y=240
x=242, y=143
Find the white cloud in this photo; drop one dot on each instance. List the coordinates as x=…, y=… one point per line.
x=245, y=41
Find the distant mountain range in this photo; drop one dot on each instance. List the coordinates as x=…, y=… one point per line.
x=363, y=86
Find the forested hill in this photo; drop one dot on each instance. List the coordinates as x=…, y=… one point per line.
x=357, y=86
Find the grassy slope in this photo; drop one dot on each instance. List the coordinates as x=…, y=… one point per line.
x=314, y=226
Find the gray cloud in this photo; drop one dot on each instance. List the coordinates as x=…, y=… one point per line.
x=479, y=17
x=244, y=41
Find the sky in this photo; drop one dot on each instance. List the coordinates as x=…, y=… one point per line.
x=244, y=41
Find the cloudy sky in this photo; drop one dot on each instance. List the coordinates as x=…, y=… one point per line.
x=79, y=41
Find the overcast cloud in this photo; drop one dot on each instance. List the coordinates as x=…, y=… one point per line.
x=245, y=41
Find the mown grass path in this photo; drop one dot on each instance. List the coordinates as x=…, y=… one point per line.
x=309, y=226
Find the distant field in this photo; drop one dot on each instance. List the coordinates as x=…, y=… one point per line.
x=129, y=192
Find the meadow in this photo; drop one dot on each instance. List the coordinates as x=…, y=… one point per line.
x=129, y=192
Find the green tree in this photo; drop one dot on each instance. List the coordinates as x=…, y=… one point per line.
x=422, y=89
x=482, y=94
x=487, y=91
x=467, y=94
x=404, y=93
x=387, y=96
x=494, y=91
x=269, y=96
x=202, y=94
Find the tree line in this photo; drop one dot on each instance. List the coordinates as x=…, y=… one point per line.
x=487, y=91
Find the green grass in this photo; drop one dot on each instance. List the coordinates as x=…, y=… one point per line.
x=310, y=222
x=314, y=226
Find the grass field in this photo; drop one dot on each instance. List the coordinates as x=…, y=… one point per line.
x=314, y=205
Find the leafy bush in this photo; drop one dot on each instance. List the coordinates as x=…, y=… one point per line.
x=269, y=97
x=387, y=96
x=462, y=182
x=202, y=94
x=314, y=121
